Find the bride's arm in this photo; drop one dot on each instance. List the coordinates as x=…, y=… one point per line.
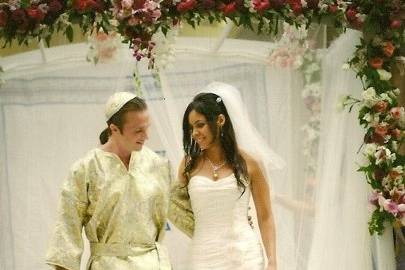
x=261, y=197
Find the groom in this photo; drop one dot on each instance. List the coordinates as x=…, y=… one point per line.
x=119, y=194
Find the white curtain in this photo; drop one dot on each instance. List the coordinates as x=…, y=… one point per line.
x=51, y=114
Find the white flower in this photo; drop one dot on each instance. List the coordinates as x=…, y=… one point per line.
x=385, y=96
x=394, y=145
x=383, y=154
x=399, y=169
x=342, y=102
x=401, y=207
x=361, y=17
x=346, y=66
x=368, y=117
x=369, y=149
x=304, y=3
x=370, y=97
x=396, y=91
x=384, y=75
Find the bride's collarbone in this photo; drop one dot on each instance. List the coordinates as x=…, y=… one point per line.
x=203, y=169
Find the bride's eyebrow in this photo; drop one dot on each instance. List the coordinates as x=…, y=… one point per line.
x=198, y=121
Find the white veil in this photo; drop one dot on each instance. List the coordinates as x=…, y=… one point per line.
x=273, y=167
x=247, y=136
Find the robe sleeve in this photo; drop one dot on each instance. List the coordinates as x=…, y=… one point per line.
x=66, y=244
x=180, y=212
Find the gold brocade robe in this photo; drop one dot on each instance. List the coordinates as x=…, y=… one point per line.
x=180, y=211
x=123, y=212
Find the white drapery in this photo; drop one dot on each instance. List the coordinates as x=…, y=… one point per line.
x=51, y=115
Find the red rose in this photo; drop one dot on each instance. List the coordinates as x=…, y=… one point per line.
x=35, y=13
x=80, y=5
x=388, y=48
x=376, y=62
x=333, y=9
x=20, y=18
x=3, y=18
x=351, y=14
x=261, y=5
x=86, y=5
x=55, y=6
x=186, y=5
x=296, y=8
x=228, y=9
x=396, y=24
x=381, y=106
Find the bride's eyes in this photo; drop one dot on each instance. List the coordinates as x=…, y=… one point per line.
x=200, y=125
x=197, y=126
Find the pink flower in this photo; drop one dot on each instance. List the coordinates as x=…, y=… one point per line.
x=401, y=208
x=390, y=207
x=396, y=24
x=381, y=129
x=388, y=48
x=376, y=62
x=396, y=112
x=373, y=198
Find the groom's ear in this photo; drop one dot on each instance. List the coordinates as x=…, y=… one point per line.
x=221, y=120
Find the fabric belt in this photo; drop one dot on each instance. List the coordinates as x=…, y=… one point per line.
x=131, y=249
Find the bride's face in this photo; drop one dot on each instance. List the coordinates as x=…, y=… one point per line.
x=200, y=129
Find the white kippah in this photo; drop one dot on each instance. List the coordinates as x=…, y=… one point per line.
x=116, y=102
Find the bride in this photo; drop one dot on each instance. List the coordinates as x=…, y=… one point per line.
x=216, y=179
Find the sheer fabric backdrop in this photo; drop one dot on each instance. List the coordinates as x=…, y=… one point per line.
x=52, y=113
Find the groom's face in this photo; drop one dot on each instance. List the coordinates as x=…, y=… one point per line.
x=135, y=130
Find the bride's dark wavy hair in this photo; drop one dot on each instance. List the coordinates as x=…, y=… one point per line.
x=211, y=106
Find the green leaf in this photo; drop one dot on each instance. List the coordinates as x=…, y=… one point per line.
x=69, y=33
x=25, y=3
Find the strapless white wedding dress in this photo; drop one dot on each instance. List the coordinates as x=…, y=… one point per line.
x=223, y=238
